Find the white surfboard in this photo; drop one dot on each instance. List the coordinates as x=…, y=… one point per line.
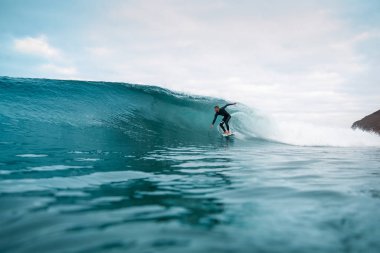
x=227, y=135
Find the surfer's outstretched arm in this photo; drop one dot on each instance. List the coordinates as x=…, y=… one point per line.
x=228, y=105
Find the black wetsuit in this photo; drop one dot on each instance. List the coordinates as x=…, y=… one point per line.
x=226, y=117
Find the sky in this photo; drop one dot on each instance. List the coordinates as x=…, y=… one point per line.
x=305, y=60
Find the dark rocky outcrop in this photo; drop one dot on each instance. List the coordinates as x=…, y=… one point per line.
x=370, y=123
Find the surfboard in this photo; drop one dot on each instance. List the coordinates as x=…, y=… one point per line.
x=228, y=135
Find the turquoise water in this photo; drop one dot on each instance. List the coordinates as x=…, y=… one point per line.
x=108, y=167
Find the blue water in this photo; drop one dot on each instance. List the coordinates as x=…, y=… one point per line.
x=110, y=167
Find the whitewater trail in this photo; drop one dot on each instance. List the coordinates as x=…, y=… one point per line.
x=303, y=134
x=255, y=124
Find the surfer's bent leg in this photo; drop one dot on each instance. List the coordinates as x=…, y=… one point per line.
x=226, y=122
x=221, y=126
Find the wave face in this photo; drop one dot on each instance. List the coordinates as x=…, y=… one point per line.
x=143, y=114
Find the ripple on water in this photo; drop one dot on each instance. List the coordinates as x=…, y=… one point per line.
x=57, y=167
x=73, y=182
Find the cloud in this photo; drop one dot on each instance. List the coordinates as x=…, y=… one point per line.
x=38, y=46
x=100, y=51
x=55, y=70
x=48, y=61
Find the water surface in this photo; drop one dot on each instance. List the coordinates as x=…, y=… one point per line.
x=114, y=170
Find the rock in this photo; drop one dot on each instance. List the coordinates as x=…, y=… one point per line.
x=370, y=123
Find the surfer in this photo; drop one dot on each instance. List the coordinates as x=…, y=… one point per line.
x=226, y=117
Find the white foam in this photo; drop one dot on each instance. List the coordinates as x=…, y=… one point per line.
x=78, y=152
x=32, y=155
x=304, y=134
x=255, y=124
x=87, y=159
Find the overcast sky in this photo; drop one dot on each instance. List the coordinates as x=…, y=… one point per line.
x=317, y=61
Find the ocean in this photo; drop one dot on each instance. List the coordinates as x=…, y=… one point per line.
x=116, y=167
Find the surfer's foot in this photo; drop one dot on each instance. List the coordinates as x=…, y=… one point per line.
x=225, y=132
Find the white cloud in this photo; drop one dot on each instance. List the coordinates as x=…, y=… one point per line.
x=100, y=51
x=55, y=70
x=37, y=46
x=55, y=64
